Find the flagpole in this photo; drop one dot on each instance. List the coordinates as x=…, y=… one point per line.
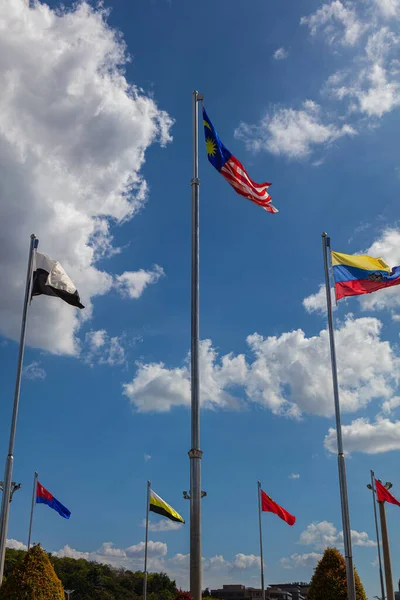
x=386, y=553
x=377, y=533
x=195, y=453
x=351, y=590
x=261, y=541
x=35, y=478
x=5, y=502
x=146, y=542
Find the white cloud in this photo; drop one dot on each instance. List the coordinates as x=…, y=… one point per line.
x=298, y=561
x=290, y=374
x=73, y=137
x=294, y=476
x=103, y=349
x=16, y=545
x=153, y=549
x=390, y=405
x=281, y=54
x=132, y=284
x=34, y=371
x=317, y=302
x=324, y=534
x=292, y=132
x=163, y=525
x=243, y=561
x=157, y=389
x=387, y=246
x=177, y=566
x=68, y=552
x=327, y=18
x=372, y=85
x=382, y=435
x=389, y=8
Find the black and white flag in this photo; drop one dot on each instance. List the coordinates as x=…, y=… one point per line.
x=50, y=279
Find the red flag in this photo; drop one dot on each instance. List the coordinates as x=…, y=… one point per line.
x=384, y=495
x=268, y=505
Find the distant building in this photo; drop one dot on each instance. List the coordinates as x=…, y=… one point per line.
x=281, y=591
x=297, y=590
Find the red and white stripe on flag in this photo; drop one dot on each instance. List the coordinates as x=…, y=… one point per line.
x=235, y=173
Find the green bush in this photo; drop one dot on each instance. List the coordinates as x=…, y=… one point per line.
x=33, y=578
x=329, y=581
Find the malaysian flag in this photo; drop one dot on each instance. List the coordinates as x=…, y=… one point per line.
x=233, y=170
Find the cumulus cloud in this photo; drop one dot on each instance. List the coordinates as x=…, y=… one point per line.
x=281, y=54
x=372, y=85
x=327, y=18
x=293, y=133
x=176, y=566
x=34, y=371
x=156, y=388
x=296, y=561
x=387, y=246
x=73, y=138
x=324, y=534
x=389, y=8
x=289, y=374
x=316, y=303
x=162, y=525
x=16, y=545
x=153, y=549
x=243, y=561
x=132, y=284
x=382, y=435
x=104, y=350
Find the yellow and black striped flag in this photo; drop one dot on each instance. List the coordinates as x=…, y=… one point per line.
x=159, y=506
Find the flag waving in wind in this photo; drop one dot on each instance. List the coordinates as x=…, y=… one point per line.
x=50, y=279
x=268, y=505
x=43, y=496
x=233, y=171
x=357, y=274
x=383, y=494
x=159, y=506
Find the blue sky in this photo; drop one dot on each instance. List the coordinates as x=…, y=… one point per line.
x=95, y=156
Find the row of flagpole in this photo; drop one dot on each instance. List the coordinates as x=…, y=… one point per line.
x=237, y=176
x=5, y=502
x=351, y=588
x=54, y=282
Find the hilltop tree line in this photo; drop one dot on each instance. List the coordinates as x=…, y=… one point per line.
x=91, y=580
x=37, y=575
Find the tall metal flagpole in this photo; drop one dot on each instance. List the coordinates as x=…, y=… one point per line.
x=146, y=542
x=5, y=503
x=377, y=533
x=386, y=553
x=261, y=541
x=351, y=590
x=195, y=453
x=35, y=479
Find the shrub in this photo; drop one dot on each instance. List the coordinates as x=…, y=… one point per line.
x=33, y=578
x=329, y=581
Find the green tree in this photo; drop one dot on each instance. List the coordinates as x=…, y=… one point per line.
x=329, y=581
x=33, y=578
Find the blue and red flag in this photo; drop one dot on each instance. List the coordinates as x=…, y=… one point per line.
x=233, y=170
x=43, y=496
